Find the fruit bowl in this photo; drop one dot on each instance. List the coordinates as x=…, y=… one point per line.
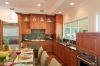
x=3, y=56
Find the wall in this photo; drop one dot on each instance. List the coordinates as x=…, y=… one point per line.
x=89, y=9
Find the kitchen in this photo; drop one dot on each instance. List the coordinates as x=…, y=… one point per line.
x=55, y=30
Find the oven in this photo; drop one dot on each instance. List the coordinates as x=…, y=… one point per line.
x=86, y=59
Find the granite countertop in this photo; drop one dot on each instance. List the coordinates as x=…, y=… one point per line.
x=27, y=40
x=73, y=47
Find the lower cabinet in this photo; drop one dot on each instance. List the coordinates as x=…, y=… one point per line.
x=66, y=55
x=47, y=45
x=73, y=58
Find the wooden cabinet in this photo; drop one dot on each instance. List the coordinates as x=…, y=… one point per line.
x=62, y=53
x=38, y=21
x=1, y=34
x=50, y=28
x=50, y=24
x=55, y=48
x=25, y=28
x=89, y=42
x=66, y=55
x=47, y=45
x=59, y=26
x=59, y=50
x=73, y=58
x=24, y=24
x=20, y=28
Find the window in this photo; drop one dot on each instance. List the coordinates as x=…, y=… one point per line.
x=73, y=27
x=10, y=32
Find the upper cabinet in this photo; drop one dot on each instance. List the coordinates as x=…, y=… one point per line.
x=59, y=26
x=50, y=25
x=24, y=23
x=38, y=21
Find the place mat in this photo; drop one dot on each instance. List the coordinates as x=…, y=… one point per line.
x=26, y=60
x=26, y=50
x=23, y=64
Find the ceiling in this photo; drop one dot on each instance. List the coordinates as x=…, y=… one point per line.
x=47, y=6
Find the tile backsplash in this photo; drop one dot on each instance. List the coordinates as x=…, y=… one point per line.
x=37, y=34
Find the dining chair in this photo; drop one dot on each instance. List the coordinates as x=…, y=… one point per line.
x=44, y=59
x=37, y=60
x=40, y=51
x=54, y=62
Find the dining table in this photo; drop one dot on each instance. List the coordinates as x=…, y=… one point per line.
x=25, y=58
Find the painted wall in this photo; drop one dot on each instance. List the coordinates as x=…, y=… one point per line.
x=89, y=9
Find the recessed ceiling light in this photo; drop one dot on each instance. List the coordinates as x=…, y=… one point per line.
x=38, y=5
x=59, y=12
x=72, y=3
x=7, y=3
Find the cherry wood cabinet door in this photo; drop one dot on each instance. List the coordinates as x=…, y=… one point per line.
x=59, y=26
x=62, y=52
x=37, y=21
x=58, y=50
x=73, y=58
x=25, y=28
x=24, y=20
x=50, y=28
x=88, y=42
x=20, y=26
x=67, y=56
x=49, y=46
x=55, y=48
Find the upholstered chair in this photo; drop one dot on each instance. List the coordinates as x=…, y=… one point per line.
x=44, y=59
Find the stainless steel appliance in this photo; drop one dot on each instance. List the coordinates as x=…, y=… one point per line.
x=87, y=59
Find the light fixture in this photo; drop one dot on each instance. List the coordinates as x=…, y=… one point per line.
x=59, y=12
x=72, y=3
x=7, y=3
x=38, y=5
x=26, y=19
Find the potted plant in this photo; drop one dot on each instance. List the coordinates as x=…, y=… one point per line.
x=6, y=44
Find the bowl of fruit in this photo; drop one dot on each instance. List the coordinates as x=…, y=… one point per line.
x=3, y=56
